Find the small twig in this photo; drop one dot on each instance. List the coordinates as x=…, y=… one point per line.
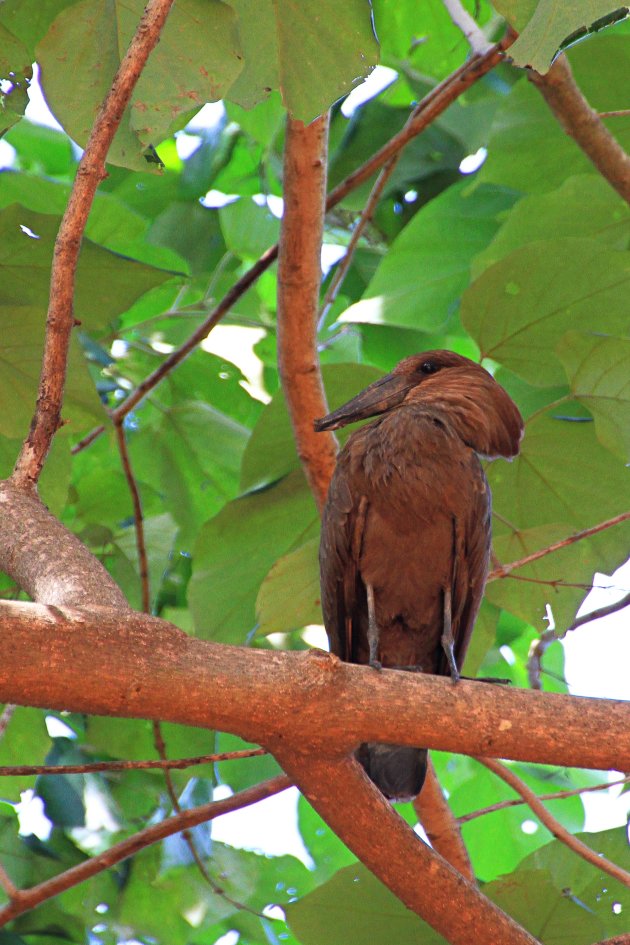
x=5, y=717
x=540, y=647
x=8, y=885
x=550, y=822
x=29, y=898
x=618, y=113
x=505, y=569
x=555, y=796
x=584, y=125
x=464, y=21
x=96, y=767
x=138, y=518
x=365, y=218
x=91, y=170
x=430, y=108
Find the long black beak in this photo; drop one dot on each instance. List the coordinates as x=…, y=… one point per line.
x=379, y=397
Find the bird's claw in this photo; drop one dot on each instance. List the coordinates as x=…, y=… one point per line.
x=376, y=664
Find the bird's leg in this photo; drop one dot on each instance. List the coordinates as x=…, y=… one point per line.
x=373, y=631
x=447, y=634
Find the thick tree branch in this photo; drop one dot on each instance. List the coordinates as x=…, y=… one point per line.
x=90, y=172
x=387, y=845
x=430, y=108
x=442, y=829
x=550, y=822
x=299, y=277
x=134, y=666
x=584, y=125
x=48, y=561
x=27, y=899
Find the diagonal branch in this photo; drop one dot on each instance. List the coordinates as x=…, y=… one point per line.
x=559, y=832
x=442, y=829
x=584, y=125
x=27, y=899
x=505, y=569
x=60, y=321
x=103, y=767
x=465, y=22
x=555, y=796
x=138, y=518
x=387, y=845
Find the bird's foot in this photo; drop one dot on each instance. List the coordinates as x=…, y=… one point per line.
x=376, y=664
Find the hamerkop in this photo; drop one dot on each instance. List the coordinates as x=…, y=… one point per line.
x=406, y=530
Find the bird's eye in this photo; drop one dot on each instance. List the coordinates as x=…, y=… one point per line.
x=429, y=367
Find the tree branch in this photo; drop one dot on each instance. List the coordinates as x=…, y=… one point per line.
x=135, y=666
x=103, y=767
x=583, y=124
x=387, y=845
x=91, y=170
x=550, y=822
x=465, y=22
x=505, y=569
x=47, y=560
x=442, y=829
x=138, y=518
x=299, y=277
x=540, y=647
x=27, y=899
x=555, y=796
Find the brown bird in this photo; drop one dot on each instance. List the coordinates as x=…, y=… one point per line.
x=406, y=531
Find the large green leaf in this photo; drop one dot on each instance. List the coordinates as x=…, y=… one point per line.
x=253, y=531
x=598, y=368
x=194, y=459
x=556, y=21
x=271, y=452
x=419, y=282
x=553, y=490
x=314, y=52
x=106, y=283
x=289, y=596
x=561, y=214
x=25, y=737
x=355, y=907
x=196, y=61
x=519, y=309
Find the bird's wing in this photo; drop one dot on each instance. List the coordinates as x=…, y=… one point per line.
x=340, y=546
x=471, y=552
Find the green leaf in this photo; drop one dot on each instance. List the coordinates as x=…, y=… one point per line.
x=561, y=214
x=519, y=309
x=289, y=596
x=598, y=368
x=196, y=455
x=196, y=61
x=255, y=530
x=551, y=491
x=420, y=280
x=248, y=229
x=314, y=52
x=25, y=737
x=355, y=907
x=270, y=453
x=106, y=283
x=554, y=22
x=328, y=852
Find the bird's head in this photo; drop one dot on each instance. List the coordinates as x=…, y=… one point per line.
x=454, y=389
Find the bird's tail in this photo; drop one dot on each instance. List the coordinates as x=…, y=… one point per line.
x=397, y=771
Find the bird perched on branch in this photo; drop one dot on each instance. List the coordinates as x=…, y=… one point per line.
x=406, y=529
